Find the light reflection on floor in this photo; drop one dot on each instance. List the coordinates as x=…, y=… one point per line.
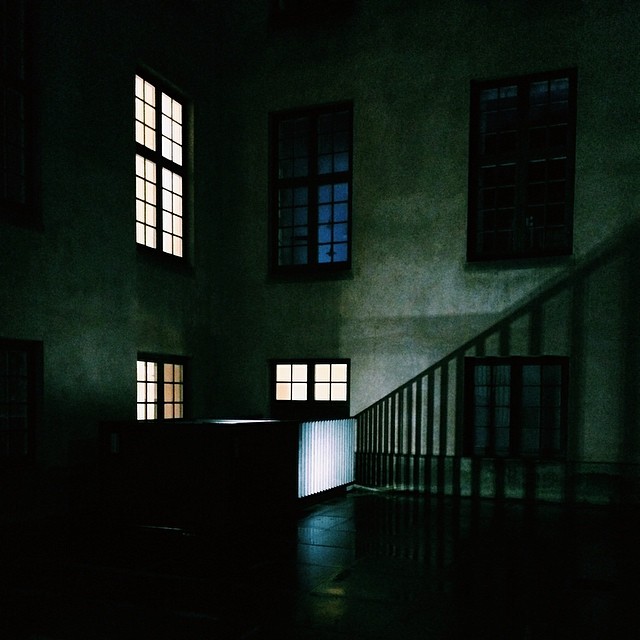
x=363, y=565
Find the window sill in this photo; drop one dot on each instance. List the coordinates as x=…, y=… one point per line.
x=531, y=262
x=166, y=261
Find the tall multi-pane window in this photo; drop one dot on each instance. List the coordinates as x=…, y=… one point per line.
x=14, y=120
x=516, y=406
x=160, y=168
x=310, y=388
x=522, y=167
x=311, y=163
x=160, y=388
x=20, y=382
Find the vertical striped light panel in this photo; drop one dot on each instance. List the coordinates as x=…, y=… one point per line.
x=326, y=455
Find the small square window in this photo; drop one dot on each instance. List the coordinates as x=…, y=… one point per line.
x=516, y=406
x=310, y=389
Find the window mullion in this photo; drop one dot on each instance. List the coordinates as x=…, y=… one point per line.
x=313, y=182
x=520, y=218
x=515, y=417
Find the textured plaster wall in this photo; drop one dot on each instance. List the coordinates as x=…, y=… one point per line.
x=79, y=285
x=407, y=67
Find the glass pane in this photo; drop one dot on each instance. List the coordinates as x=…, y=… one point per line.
x=339, y=372
x=501, y=417
x=299, y=391
x=339, y=391
x=323, y=372
x=531, y=396
x=481, y=396
x=283, y=391
x=283, y=372
x=531, y=374
x=503, y=374
x=322, y=391
x=502, y=441
x=299, y=373
x=530, y=440
x=481, y=375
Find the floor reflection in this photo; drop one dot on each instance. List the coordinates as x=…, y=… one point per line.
x=362, y=565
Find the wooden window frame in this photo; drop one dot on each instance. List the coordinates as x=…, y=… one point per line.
x=161, y=162
x=533, y=222
x=516, y=409
x=313, y=181
x=160, y=360
x=309, y=409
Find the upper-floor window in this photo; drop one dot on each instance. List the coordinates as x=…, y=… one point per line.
x=20, y=391
x=160, y=168
x=15, y=123
x=310, y=388
x=311, y=189
x=522, y=167
x=161, y=386
x=516, y=407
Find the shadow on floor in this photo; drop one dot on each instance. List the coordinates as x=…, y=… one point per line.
x=363, y=565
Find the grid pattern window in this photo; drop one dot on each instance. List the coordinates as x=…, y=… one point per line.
x=310, y=389
x=160, y=389
x=522, y=167
x=160, y=171
x=13, y=111
x=311, y=162
x=516, y=407
x=20, y=369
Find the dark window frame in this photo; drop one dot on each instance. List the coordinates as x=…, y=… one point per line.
x=16, y=76
x=33, y=358
x=552, y=440
x=161, y=162
x=161, y=360
x=533, y=196
x=309, y=409
x=312, y=181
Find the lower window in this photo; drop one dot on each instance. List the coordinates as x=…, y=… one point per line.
x=160, y=383
x=20, y=391
x=306, y=389
x=516, y=406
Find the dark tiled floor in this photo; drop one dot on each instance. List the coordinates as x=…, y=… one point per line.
x=364, y=565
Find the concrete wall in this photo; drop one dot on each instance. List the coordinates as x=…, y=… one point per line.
x=79, y=285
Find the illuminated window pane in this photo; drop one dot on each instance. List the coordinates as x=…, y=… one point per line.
x=298, y=391
x=318, y=384
x=339, y=372
x=323, y=391
x=299, y=373
x=283, y=391
x=160, y=389
x=323, y=372
x=339, y=391
x=283, y=372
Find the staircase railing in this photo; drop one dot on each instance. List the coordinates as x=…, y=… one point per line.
x=411, y=439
